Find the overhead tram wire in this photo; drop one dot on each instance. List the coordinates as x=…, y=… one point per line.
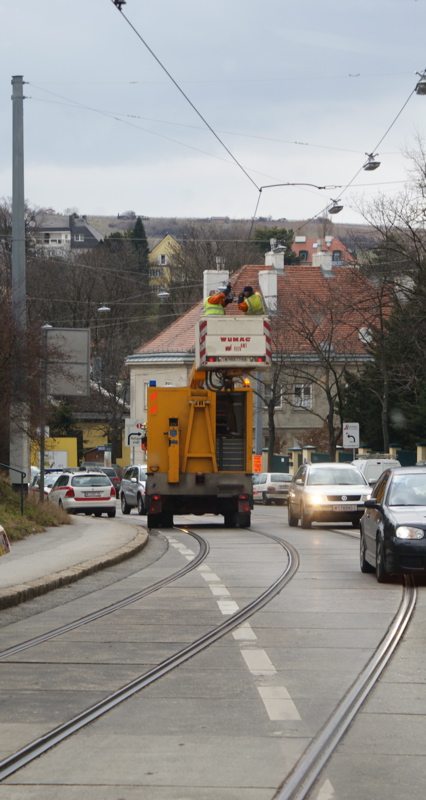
x=118, y=6
x=361, y=168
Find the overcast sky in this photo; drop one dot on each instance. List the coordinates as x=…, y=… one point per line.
x=297, y=92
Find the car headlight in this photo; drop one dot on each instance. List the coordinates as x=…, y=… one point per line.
x=316, y=499
x=407, y=532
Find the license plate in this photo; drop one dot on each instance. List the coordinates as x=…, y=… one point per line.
x=345, y=508
x=92, y=494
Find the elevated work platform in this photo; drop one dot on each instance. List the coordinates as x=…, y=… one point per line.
x=225, y=342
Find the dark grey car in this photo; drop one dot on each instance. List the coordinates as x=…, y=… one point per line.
x=132, y=489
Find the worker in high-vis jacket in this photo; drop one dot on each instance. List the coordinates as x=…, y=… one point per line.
x=217, y=301
x=250, y=302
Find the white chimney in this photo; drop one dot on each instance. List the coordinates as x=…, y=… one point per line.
x=212, y=279
x=268, y=286
x=322, y=258
x=275, y=257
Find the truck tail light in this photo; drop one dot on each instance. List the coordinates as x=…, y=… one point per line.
x=244, y=503
x=155, y=504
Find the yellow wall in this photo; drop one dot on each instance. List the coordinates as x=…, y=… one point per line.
x=94, y=436
x=67, y=443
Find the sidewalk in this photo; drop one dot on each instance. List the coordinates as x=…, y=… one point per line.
x=65, y=554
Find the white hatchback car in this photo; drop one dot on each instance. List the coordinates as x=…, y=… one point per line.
x=327, y=492
x=271, y=487
x=84, y=493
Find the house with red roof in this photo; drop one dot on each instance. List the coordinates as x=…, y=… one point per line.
x=306, y=248
x=320, y=316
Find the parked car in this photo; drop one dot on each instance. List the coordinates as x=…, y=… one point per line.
x=132, y=490
x=372, y=465
x=393, y=528
x=84, y=492
x=271, y=487
x=50, y=479
x=327, y=492
x=114, y=478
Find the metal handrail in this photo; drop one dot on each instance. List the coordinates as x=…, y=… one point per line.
x=13, y=469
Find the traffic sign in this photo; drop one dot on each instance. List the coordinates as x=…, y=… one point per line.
x=351, y=434
x=134, y=439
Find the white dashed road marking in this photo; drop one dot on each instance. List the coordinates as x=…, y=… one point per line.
x=326, y=792
x=276, y=699
x=278, y=703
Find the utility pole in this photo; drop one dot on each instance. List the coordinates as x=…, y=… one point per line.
x=19, y=439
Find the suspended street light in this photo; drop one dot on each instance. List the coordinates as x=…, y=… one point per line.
x=104, y=307
x=163, y=293
x=336, y=207
x=421, y=86
x=371, y=162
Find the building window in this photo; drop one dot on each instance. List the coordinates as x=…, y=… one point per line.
x=303, y=255
x=267, y=397
x=156, y=273
x=79, y=237
x=162, y=259
x=303, y=395
x=337, y=256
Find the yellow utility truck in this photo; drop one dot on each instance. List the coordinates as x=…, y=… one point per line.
x=199, y=437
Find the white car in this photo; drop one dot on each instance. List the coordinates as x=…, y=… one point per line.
x=84, y=493
x=327, y=492
x=50, y=479
x=271, y=487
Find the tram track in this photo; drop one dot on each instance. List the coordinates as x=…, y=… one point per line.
x=41, y=745
x=110, y=609
x=299, y=781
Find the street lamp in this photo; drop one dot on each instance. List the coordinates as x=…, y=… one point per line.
x=103, y=308
x=371, y=162
x=421, y=86
x=336, y=207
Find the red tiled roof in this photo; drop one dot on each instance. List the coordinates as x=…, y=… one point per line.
x=311, y=307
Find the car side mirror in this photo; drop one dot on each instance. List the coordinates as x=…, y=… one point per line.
x=299, y=481
x=371, y=503
x=133, y=480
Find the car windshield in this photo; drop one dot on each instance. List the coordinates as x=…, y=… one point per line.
x=90, y=480
x=281, y=477
x=335, y=476
x=408, y=490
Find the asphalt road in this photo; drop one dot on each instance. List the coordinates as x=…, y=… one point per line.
x=231, y=722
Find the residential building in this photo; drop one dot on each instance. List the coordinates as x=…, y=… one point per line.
x=308, y=247
x=159, y=260
x=59, y=238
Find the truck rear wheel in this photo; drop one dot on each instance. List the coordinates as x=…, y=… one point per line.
x=230, y=520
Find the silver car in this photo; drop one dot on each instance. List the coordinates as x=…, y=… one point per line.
x=132, y=489
x=327, y=492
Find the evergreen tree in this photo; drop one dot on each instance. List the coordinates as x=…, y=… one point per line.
x=283, y=236
x=140, y=244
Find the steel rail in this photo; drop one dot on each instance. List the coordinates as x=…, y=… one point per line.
x=41, y=745
x=44, y=637
x=300, y=780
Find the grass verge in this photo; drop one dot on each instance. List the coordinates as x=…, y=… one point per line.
x=36, y=517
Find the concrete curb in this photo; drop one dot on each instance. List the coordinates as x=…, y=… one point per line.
x=14, y=595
